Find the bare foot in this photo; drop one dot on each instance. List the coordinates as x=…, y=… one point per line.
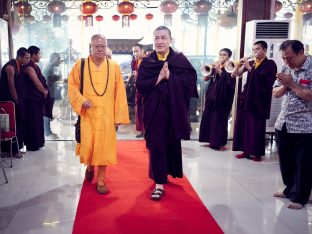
x=295, y=206
x=279, y=194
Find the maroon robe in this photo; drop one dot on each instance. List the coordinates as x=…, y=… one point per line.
x=166, y=105
x=166, y=111
x=36, y=107
x=138, y=101
x=254, y=105
x=218, y=103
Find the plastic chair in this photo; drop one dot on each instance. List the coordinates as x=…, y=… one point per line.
x=1, y=163
x=10, y=135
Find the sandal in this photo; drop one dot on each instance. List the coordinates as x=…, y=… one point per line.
x=157, y=194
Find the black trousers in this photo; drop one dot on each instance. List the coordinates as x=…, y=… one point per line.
x=296, y=164
x=166, y=161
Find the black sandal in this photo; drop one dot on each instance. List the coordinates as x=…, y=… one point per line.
x=157, y=194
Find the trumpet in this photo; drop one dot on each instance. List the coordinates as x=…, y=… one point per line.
x=230, y=66
x=209, y=69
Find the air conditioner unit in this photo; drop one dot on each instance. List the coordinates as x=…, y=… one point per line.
x=273, y=32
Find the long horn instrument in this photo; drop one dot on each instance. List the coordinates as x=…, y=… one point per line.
x=230, y=66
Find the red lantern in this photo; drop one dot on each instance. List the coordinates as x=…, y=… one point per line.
x=99, y=18
x=278, y=6
x=65, y=18
x=115, y=17
x=56, y=7
x=288, y=15
x=149, y=16
x=306, y=6
x=133, y=16
x=125, y=7
x=46, y=18
x=168, y=6
x=23, y=8
x=89, y=8
x=202, y=7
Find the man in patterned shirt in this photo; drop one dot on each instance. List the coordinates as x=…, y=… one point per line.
x=293, y=127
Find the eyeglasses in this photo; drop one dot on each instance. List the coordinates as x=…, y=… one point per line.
x=97, y=47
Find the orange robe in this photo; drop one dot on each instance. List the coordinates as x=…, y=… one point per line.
x=98, y=134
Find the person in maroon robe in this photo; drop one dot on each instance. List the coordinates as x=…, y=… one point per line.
x=254, y=103
x=218, y=103
x=138, y=54
x=167, y=81
x=13, y=88
x=37, y=102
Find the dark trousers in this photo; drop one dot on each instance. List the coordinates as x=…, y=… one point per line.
x=296, y=164
x=166, y=161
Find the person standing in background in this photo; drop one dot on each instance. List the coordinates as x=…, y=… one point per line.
x=254, y=103
x=218, y=103
x=293, y=127
x=38, y=98
x=52, y=75
x=13, y=88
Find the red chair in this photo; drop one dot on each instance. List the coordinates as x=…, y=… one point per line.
x=10, y=135
x=1, y=163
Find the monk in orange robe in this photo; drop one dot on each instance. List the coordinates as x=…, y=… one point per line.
x=102, y=106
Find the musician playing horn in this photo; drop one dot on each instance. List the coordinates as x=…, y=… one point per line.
x=254, y=103
x=219, y=98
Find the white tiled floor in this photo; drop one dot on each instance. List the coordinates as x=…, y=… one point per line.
x=44, y=187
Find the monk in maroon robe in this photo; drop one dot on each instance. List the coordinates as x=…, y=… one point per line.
x=38, y=102
x=254, y=104
x=166, y=80
x=218, y=103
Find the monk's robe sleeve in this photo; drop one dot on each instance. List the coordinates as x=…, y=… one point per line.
x=75, y=97
x=121, y=105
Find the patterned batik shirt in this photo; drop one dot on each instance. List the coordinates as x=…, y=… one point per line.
x=296, y=112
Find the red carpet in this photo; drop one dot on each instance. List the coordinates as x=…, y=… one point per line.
x=127, y=208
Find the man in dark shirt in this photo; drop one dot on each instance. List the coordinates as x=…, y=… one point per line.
x=13, y=88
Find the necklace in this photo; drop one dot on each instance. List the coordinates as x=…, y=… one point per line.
x=107, y=79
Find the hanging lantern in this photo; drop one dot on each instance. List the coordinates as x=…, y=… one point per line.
x=149, y=16
x=133, y=16
x=185, y=16
x=46, y=18
x=81, y=17
x=228, y=20
x=57, y=20
x=115, y=17
x=65, y=18
x=23, y=8
x=288, y=15
x=89, y=20
x=306, y=7
x=56, y=7
x=99, y=18
x=125, y=7
x=278, y=6
x=168, y=7
x=202, y=7
x=29, y=18
x=88, y=8
x=168, y=20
